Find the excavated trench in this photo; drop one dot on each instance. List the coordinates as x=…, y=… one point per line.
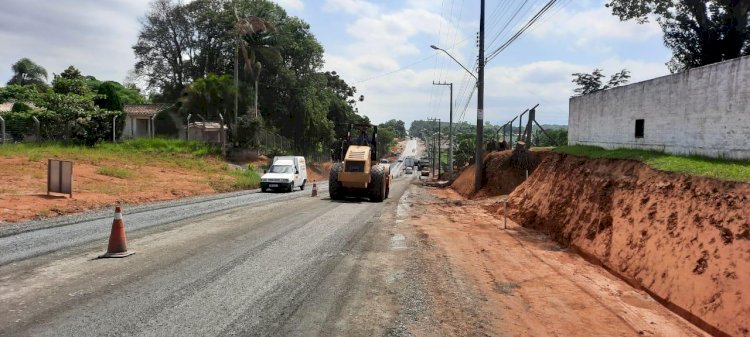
x=683, y=239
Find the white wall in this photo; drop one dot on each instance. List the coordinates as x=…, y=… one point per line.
x=703, y=111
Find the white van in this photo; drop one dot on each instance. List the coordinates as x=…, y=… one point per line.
x=286, y=173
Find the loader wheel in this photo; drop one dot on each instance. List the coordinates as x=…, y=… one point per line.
x=335, y=190
x=377, y=183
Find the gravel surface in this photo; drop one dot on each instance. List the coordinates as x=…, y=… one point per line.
x=290, y=265
x=34, y=238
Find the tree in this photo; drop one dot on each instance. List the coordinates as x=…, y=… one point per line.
x=209, y=97
x=70, y=82
x=163, y=44
x=27, y=72
x=465, y=148
x=553, y=137
x=699, y=32
x=398, y=126
x=590, y=83
x=19, y=93
x=109, y=97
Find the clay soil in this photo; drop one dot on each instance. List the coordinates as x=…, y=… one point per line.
x=23, y=192
x=684, y=239
x=500, y=176
x=526, y=283
x=318, y=171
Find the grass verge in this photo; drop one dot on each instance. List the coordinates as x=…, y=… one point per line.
x=246, y=179
x=115, y=172
x=724, y=169
x=167, y=152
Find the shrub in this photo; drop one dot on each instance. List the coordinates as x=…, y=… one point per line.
x=20, y=107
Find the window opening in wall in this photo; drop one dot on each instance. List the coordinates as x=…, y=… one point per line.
x=639, y=128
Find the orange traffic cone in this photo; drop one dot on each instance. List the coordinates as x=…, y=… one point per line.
x=314, y=189
x=118, y=243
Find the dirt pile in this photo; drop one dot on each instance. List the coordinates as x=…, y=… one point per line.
x=318, y=171
x=500, y=175
x=685, y=240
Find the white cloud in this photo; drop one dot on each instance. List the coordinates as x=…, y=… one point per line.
x=95, y=38
x=596, y=24
x=355, y=7
x=291, y=4
x=510, y=90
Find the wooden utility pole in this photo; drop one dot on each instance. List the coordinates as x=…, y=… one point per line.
x=480, y=103
x=450, y=128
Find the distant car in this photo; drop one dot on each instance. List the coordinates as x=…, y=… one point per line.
x=409, y=170
x=400, y=160
x=384, y=161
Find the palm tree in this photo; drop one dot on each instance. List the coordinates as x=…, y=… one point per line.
x=257, y=37
x=27, y=72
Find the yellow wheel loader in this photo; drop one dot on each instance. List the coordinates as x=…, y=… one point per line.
x=359, y=174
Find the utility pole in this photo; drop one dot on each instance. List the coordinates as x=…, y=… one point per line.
x=450, y=129
x=436, y=142
x=480, y=103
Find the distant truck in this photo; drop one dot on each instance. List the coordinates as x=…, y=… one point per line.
x=286, y=173
x=409, y=162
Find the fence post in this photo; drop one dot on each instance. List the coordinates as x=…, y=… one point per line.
x=114, y=129
x=38, y=128
x=187, y=127
x=223, y=137
x=2, y=130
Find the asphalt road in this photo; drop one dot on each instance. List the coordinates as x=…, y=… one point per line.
x=254, y=264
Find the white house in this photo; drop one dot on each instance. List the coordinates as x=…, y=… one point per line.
x=139, y=122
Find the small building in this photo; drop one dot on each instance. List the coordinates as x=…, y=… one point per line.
x=703, y=111
x=139, y=122
x=209, y=132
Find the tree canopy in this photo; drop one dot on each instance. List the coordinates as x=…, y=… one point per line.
x=184, y=46
x=26, y=72
x=699, y=32
x=590, y=83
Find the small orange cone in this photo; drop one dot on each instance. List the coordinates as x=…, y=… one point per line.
x=314, y=189
x=118, y=243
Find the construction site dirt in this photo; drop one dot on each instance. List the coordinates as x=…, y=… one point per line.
x=684, y=240
x=524, y=283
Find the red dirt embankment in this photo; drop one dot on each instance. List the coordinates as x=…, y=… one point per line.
x=500, y=177
x=318, y=171
x=684, y=239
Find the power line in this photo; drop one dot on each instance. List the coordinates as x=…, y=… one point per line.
x=521, y=31
x=397, y=70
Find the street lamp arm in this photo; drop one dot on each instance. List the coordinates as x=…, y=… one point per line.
x=454, y=59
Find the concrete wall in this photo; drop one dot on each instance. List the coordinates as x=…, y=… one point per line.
x=703, y=111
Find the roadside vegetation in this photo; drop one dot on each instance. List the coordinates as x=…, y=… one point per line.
x=724, y=169
x=121, y=160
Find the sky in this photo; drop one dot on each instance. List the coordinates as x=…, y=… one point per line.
x=382, y=48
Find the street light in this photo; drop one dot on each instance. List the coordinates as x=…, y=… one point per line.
x=454, y=59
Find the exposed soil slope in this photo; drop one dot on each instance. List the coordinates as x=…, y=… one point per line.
x=684, y=239
x=500, y=175
x=318, y=171
x=518, y=282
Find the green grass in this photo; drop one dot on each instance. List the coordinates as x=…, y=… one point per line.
x=177, y=153
x=246, y=179
x=724, y=169
x=115, y=172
